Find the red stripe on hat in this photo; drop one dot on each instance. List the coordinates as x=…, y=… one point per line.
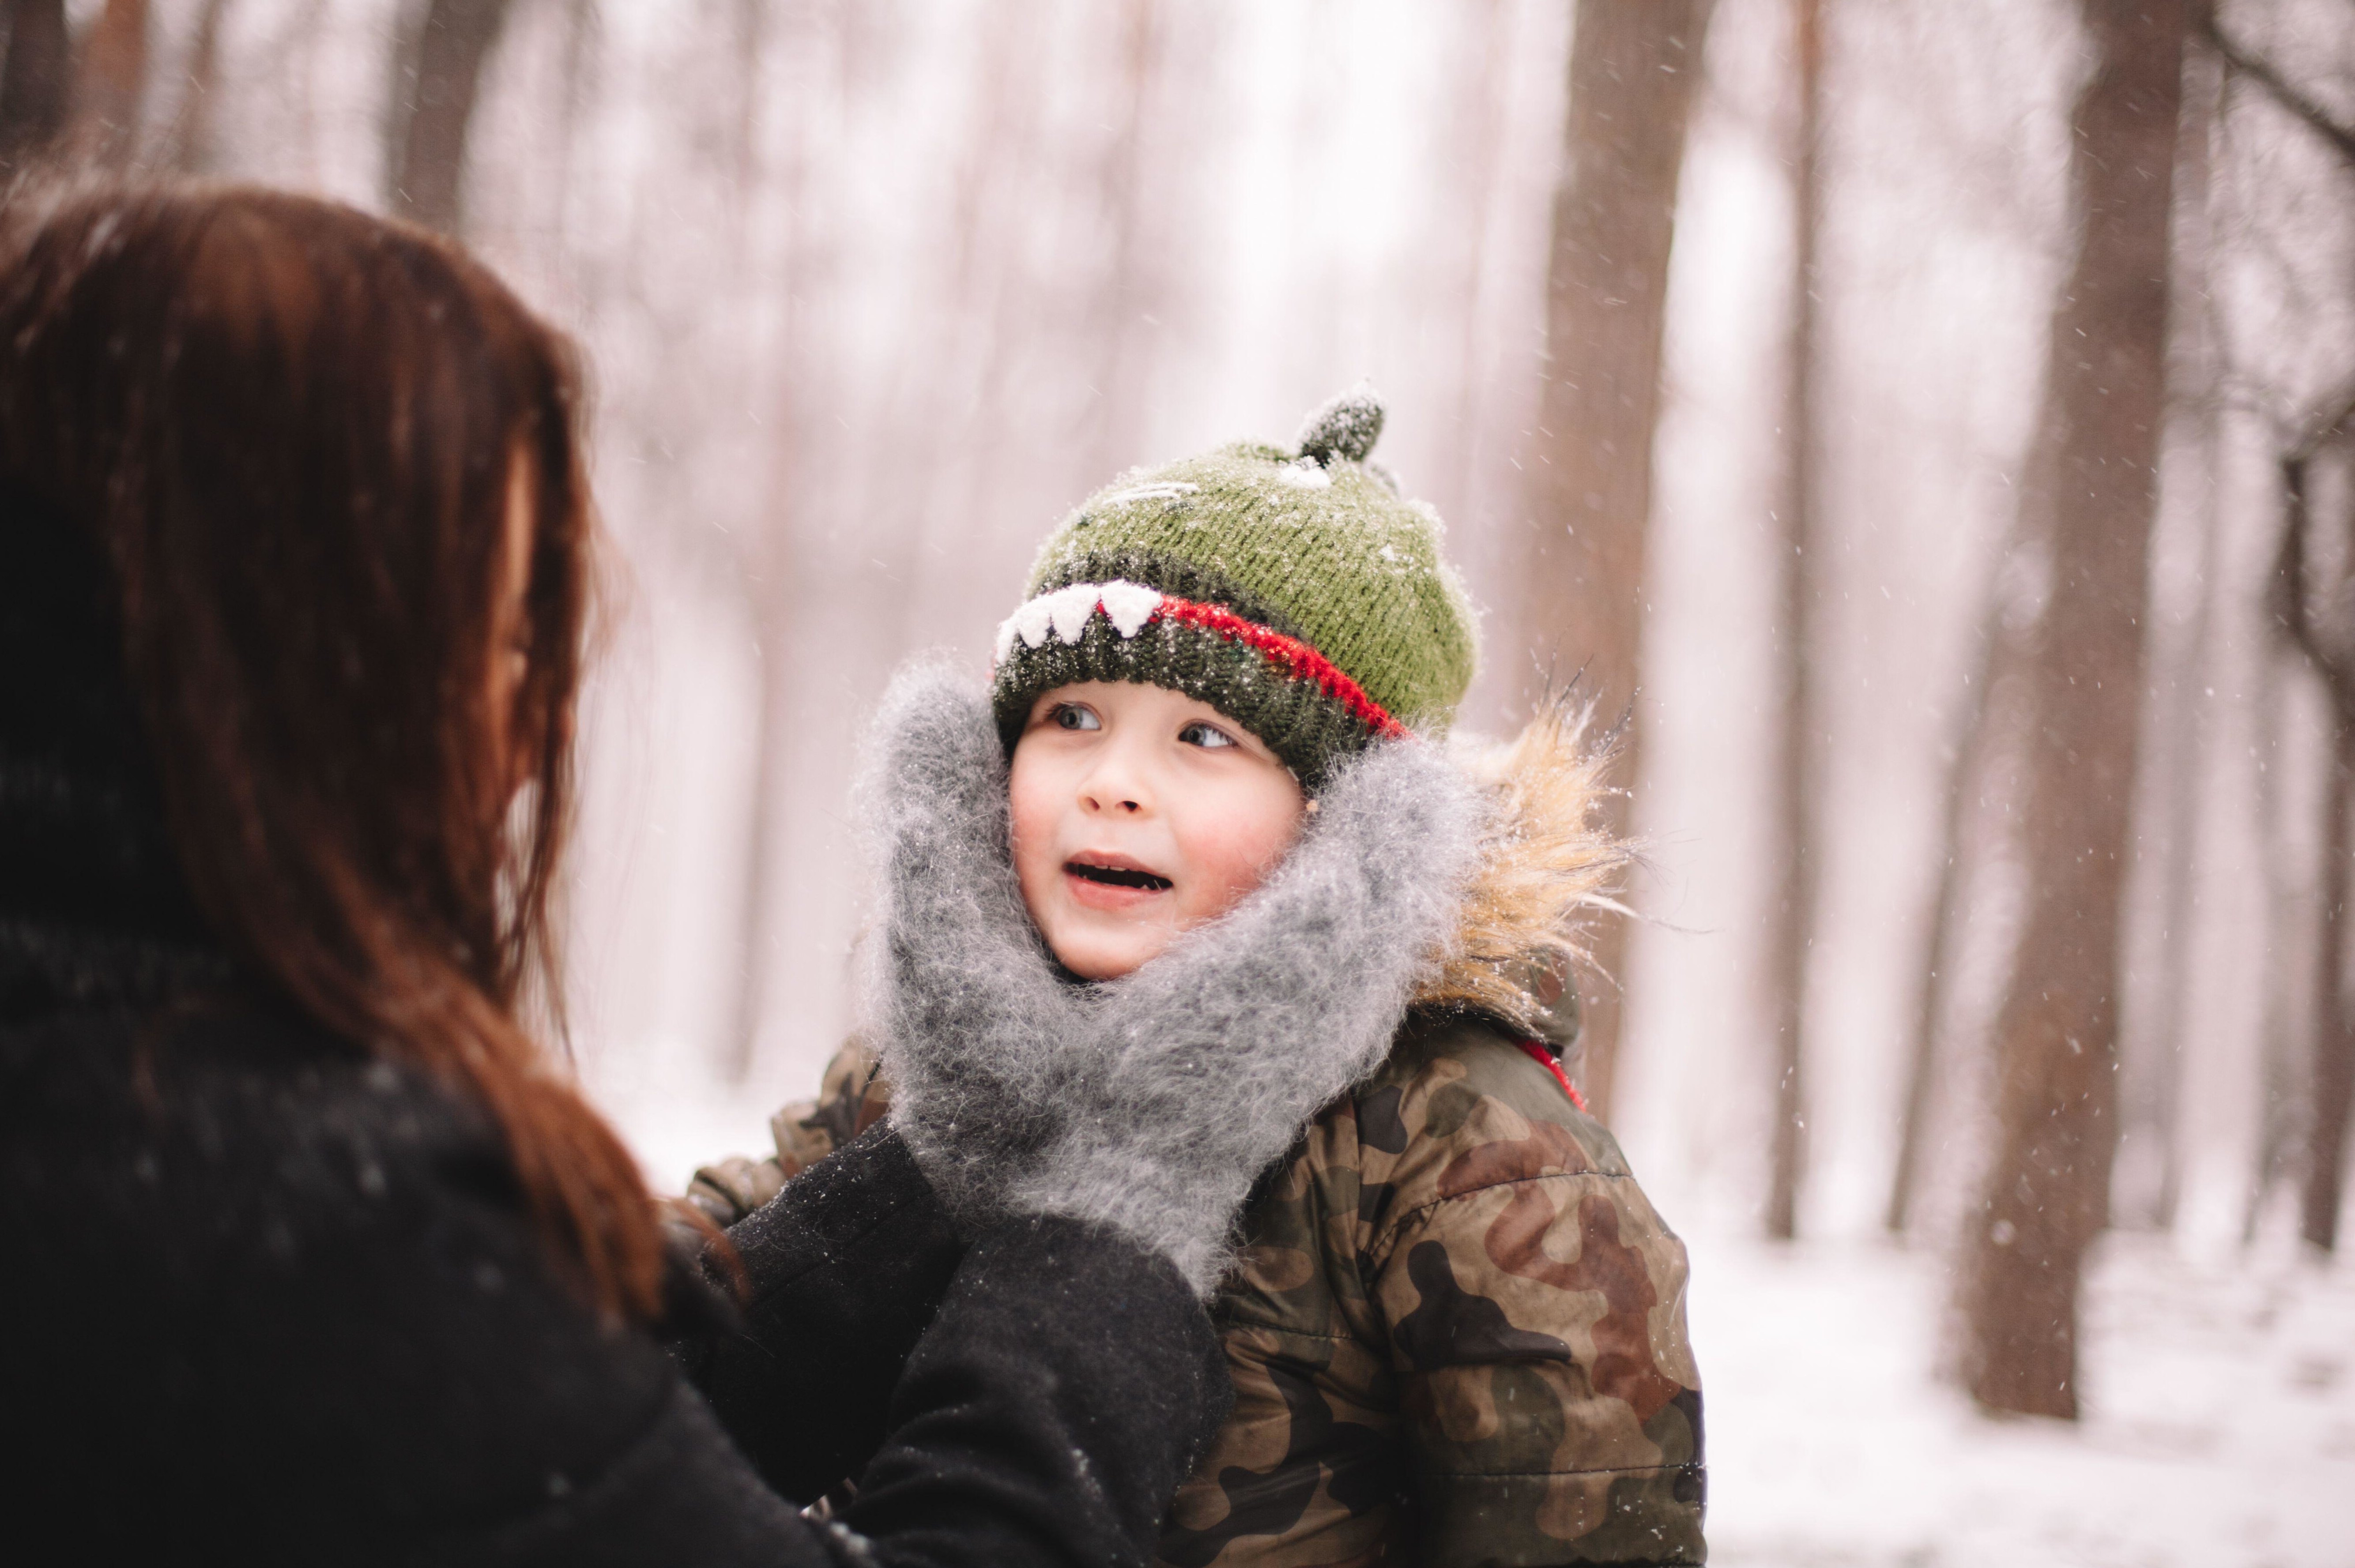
x=1289, y=654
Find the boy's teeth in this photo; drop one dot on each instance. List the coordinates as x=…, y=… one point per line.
x=1116, y=877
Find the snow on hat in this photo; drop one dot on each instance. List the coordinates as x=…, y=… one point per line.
x=1290, y=588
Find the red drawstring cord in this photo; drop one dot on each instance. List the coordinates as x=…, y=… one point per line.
x=1546, y=1059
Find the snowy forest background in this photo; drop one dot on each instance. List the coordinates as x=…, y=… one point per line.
x=873, y=291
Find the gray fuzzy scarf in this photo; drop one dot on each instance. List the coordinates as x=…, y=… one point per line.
x=1148, y=1103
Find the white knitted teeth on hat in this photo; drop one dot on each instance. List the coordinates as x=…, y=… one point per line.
x=1063, y=614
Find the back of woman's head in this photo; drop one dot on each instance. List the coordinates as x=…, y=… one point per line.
x=296, y=436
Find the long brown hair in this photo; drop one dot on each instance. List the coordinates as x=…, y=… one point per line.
x=294, y=428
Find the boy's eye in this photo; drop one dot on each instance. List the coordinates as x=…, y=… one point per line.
x=1204, y=736
x=1072, y=715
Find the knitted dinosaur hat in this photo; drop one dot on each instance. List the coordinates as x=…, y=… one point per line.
x=1291, y=587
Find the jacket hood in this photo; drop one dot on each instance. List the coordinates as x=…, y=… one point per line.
x=1547, y=867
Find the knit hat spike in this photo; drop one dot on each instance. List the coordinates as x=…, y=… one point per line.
x=1345, y=426
x=1291, y=587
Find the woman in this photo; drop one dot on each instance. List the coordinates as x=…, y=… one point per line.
x=310, y=1253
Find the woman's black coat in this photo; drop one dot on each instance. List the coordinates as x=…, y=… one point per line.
x=265, y=1297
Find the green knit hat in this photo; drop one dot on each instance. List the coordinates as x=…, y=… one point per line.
x=1291, y=587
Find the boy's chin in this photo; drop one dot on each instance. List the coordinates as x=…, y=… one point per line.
x=1106, y=957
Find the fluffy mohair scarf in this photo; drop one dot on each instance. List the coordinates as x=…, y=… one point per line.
x=1149, y=1103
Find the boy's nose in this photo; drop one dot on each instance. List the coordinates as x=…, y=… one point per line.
x=1115, y=787
x=1120, y=802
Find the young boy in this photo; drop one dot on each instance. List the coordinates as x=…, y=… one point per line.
x=1457, y=1326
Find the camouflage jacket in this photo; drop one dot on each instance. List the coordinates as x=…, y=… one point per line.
x=1458, y=1329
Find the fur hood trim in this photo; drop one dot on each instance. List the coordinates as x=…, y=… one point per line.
x=1150, y=1102
x=1548, y=868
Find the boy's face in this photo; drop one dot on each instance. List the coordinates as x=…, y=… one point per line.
x=1139, y=814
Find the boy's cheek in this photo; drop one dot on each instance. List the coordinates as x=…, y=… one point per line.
x=1231, y=856
x=1038, y=882
x=1030, y=821
x=1038, y=871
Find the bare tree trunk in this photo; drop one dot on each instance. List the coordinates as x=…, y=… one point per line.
x=981, y=298
x=2186, y=750
x=188, y=145
x=773, y=603
x=1980, y=808
x=2327, y=643
x=2329, y=646
x=1633, y=72
x=2334, y=1023
x=109, y=86
x=778, y=583
x=769, y=564
x=1126, y=288
x=1802, y=557
x=36, y=82
x=2296, y=955
x=1475, y=139
x=2197, y=365
x=438, y=71
x=1963, y=773
x=2091, y=504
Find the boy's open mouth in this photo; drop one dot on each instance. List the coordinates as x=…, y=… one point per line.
x=1118, y=876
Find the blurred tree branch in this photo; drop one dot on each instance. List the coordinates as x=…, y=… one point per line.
x=2259, y=69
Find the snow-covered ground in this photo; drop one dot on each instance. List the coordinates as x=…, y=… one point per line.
x=2219, y=1428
